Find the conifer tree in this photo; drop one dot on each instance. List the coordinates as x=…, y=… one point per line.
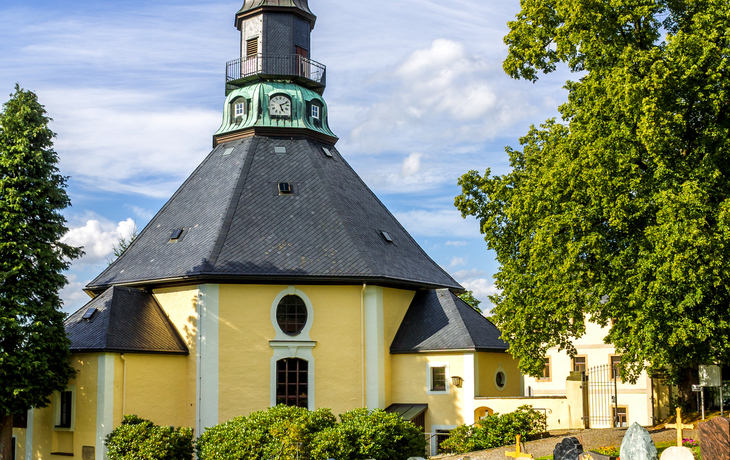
x=34, y=349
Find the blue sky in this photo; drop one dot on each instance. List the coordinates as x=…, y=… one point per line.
x=415, y=90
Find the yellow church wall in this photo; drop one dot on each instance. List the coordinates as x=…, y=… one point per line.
x=47, y=439
x=337, y=356
x=244, y=331
x=154, y=389
x=395, y=306
x=19, y=434
x=410, y=385
x=487, y=365
x=180, y=305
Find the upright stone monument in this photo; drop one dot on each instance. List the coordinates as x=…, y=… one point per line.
x=638, y=445
x=715, y=439
x=568, y=449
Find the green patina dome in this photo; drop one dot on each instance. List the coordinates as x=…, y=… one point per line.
x=256, y=97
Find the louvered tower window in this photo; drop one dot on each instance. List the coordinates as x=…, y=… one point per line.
x=252, y=47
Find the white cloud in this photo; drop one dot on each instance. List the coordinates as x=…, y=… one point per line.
x=469, y=274
x=411, y=164
x=482, y=288
x=441, y=92
x=142, y=213
x=72, y=294
x=457, y=261
x=439, y=222
x=98, y=238
x=152, y=149
x=456, y=243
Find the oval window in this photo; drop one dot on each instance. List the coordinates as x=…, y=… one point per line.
x=291, y=314
x=500, y=379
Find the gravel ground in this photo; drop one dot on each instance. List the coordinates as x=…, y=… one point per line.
x=590, y=439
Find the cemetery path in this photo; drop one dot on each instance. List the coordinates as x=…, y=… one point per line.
x=590, y=439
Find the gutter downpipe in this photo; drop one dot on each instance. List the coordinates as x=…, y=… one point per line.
x=362, y=342
x=124, y=386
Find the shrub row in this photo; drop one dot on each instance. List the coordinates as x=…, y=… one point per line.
x=495, y=431
x=282, y=433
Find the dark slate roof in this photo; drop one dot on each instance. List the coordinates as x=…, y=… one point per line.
x=407, y=411
x=238, y=228
x=125, y=320
x=249, y=5
x=438, y=320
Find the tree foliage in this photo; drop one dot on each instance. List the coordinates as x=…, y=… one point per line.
x=472, y=301
x=620, y=212
x=496, y=430
x=122, y=245
x=34, y=349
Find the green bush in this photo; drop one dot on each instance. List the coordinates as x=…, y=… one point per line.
x=276, y=433
x=495, y=431
x=363, y=435
x=140, y=439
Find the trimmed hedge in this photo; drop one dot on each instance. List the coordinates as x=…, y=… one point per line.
x=140, y=439
x=363, y=435
x=282, y=432
x=495, y=431
x=273, y=433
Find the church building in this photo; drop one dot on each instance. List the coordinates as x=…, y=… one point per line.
x=273, y=275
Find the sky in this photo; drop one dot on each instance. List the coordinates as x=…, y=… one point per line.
x=415, y=91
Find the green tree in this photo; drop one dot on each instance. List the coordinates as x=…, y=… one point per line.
x=619, y=213
x=34, y=349
x=472, y=301
x=122, y=245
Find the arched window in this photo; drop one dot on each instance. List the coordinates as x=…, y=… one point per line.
x=292, y=382
x=291, y=314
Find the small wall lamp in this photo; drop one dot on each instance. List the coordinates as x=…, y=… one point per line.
x=456, y=381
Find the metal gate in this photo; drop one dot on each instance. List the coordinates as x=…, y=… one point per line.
x=600, y=397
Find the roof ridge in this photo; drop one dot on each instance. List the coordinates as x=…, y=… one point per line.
x=455, y=309
x=232, y=207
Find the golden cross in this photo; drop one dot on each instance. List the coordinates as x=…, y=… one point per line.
x=679, y=426
x=518, y=452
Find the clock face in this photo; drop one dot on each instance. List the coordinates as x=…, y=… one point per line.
x=280, y=106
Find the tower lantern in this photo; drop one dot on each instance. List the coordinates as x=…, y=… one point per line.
x=275, y=27
x=275, y=88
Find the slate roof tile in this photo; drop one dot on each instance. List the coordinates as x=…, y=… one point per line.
x=125, y=320
x=237, y=226
x=438, y=320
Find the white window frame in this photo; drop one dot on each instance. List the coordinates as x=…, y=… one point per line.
x=287, y=346
x=497, y=371
x=57, y=409
x=239, y=105
x=316, y=112
x=429, y=376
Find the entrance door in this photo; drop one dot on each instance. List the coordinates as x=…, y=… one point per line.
x=302, y=62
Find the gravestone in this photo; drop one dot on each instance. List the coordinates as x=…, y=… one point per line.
x=715, y=439
x=677, y=453
x=568, y=449
x=638, y=445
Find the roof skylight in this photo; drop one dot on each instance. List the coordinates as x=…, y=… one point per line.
x=176, y=234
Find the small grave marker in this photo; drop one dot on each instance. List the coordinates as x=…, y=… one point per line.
x=679, y=426
x=518, y=452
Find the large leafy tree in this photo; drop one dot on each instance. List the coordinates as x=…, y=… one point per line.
x=34, y=349
x=619, y=213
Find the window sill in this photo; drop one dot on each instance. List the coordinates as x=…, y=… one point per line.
x=64, y=454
